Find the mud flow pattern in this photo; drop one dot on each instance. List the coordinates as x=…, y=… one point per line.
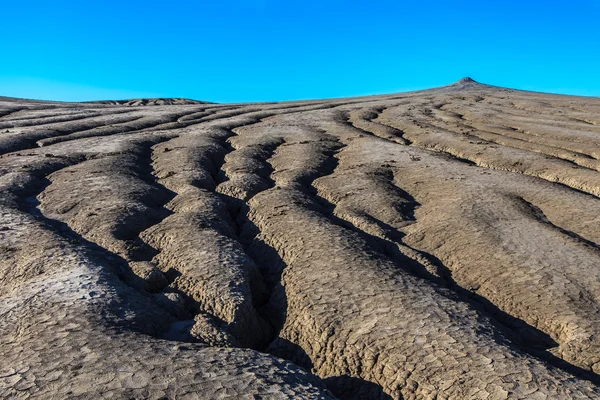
x=432, y=244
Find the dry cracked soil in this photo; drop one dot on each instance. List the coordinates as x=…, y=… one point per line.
x=435, y=244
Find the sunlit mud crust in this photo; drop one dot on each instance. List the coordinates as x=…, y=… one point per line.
x=434, y=244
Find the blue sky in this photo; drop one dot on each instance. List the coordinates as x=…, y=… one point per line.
x=267, y=50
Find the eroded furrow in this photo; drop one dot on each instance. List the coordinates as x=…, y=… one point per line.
x=292, y=219
x=485, y=154
x=94, y=336
x=362, y=209
x=363, y=119
x=539, y=214
x=31, y=119
x=221, y=278
x=368, y=203
x=137, y=124
x=435, y=244
x=22, y=139
x=512, y=137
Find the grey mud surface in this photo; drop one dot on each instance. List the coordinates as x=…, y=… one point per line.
x=435, y=244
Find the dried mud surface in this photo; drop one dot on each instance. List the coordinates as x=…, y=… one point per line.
x=434, y=244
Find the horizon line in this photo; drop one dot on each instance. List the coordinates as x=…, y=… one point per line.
x=463, y=81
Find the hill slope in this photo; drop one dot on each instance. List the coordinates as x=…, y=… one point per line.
x=436, y=243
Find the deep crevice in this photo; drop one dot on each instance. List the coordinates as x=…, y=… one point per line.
x=523, y=336
x=117, y=263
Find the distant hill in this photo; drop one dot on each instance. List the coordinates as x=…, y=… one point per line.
x=150, y=102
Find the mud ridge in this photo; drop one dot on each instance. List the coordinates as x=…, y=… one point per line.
x=434, y=244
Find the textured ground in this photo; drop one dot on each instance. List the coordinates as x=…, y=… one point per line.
x=434, y=244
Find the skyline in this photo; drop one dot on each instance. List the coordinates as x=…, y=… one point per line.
x=267, y=50
x=126, y=95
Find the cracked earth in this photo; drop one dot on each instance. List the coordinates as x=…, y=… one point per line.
x=434, y=244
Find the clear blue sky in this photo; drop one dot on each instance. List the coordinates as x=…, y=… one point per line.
x=260, y=50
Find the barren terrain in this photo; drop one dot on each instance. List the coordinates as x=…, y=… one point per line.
x=434, y=244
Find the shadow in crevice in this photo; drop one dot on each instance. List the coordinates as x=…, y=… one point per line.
x=268, y=294
x=519, y=333
x=537, y=213
x=510, y=331
x=111, y=264
x=346, y=387
x=138, y=308
x=288, y=350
